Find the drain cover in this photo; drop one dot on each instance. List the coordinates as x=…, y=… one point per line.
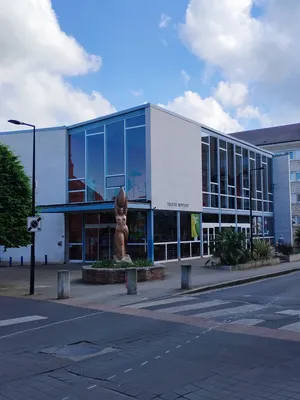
x=78, y=351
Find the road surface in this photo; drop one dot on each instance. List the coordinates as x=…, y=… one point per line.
x=238, y=343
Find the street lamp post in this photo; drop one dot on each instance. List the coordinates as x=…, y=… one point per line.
x=251, y=208
x=32, y=250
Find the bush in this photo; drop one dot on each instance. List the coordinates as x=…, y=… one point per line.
x=297, y=237
x=140, y=263
x=230, y=247
x=286, y=249
x=262, y=250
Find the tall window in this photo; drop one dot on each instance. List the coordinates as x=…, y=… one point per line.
x=205, y=168
x=76, y=184
x=213, y=159
x=115, y=148
x=95, y=167
x=136, y=162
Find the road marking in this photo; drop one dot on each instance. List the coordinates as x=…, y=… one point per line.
x=168, y=351
x=188, y=341
x=292, y=327
x=111, y=377
x=21, y=320
x=228, y=311
x=289, y=312
x=197, y=306
x=248, y=322
x=178, y=346
x=197, y=337
x=91, y=387
x=52, y=324
x=160, y=302
x=65, y=398
x=157, y=357
x=144, y=363
x=128, y=370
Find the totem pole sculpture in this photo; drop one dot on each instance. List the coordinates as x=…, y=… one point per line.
x=121, y=232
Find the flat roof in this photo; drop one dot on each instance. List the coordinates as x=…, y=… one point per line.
x=268, y=136
x=239, y=137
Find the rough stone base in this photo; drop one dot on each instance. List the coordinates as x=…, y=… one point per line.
x=106, y=276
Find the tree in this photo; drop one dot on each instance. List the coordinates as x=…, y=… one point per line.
x=15, y=200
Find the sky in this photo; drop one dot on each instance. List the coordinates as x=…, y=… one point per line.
x=229, y=64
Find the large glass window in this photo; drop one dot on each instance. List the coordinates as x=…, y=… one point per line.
x=165, y=226
x=223, y=171
x=77, y=156
x=258, y=173
x=230, y=153
x=213, y=159
x=239, y=176
x=115, y=148
x=95, y=168
x=245, y=169
x=136, y=163
x=205, y=167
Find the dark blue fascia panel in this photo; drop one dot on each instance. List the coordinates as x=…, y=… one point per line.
x=66, y=208
x=98, y=122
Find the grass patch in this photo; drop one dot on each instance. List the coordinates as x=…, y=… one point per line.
x=113, y=264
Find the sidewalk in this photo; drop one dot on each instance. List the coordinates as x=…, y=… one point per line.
x=14, y=282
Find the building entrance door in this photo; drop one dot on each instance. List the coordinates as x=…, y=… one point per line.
x=99, y=241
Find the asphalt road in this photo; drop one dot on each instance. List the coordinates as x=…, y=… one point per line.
x=70, y=353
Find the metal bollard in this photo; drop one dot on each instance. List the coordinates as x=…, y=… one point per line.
x=10, y=261
x=186, y=282
x=22, y=261
x=46, y=259
x=131, y=281
x=63, y=284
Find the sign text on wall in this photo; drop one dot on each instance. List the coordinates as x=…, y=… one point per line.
x=179, y=205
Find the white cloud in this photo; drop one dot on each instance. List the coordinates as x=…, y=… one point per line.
x=231, y=94
x=136, y=93
x=164, y=42
x=164, y=21
x=186, y=77
x=262, y=53
x=36, y=56
x=206, y=111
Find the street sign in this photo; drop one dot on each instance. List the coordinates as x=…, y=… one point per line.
x=34, y=224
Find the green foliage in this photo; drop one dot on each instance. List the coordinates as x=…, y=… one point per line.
x=140, y=263
x=286, y=249
x=230, y=247
x=297, y=237
x=262, y=250
x=15, y=200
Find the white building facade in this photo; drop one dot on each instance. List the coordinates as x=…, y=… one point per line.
x=184, y=182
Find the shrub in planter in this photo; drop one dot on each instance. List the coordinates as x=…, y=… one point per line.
x=297, y=237
x=230, y=247
x=262, y=250
x=286, y=249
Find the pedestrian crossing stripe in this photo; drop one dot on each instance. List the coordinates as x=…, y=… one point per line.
x=21, y=320
x=214, y=309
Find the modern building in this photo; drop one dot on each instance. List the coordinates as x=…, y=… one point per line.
x=281, y=140
x=184, y=183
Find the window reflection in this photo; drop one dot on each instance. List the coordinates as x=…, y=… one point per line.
x=136, y=163
x=77, y=155
x=95, y=167
x=115, y=148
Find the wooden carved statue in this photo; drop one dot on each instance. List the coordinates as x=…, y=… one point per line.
x=121, y=232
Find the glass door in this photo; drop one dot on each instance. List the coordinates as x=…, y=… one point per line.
x=91, y=244
x=99, y=241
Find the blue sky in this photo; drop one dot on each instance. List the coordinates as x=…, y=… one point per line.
x=231, y=65
x=127, y=36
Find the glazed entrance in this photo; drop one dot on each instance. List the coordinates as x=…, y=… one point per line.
x=91, y=235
